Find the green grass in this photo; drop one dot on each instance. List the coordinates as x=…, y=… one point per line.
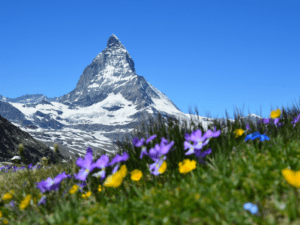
x=237, y=172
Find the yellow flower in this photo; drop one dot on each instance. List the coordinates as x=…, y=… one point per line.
x=136, y=175
x=100, y=189
x=116, y=179
x=5, y=221
x=123, y=170
x=0, y=214
x=238, y=132
x=8, y=195
x=186, y=166
x=293, y=178
x=25, y=202
x=197, y=196
x=87, y=195
x=275, y=113
x=73, y=189
x=163, y=167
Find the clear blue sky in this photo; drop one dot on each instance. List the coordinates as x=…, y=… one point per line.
x=209, y=54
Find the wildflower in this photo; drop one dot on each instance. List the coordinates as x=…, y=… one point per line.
x=256, y=135
x=87, y=195
x=116, y=179
x=118, y=159
x=296, y=119
x=42, y=200
x=239, y=132
x=189, y=146
x=201, y=155
x=141, y=143
x=186, y=166
x=197, y=138
x=157, y=154
x=248, y=127
x=100, y=189
x=87, y=166
x=52, y=184
x=251, y=207
x=100, y=174
x=199, y=142
x=12, y=204
x=81, y=186
x=293, y=178
x=275, y=113
x=123, y=170
x=163, y=167
x=73, y=189
x=25, y=202
x=136, y=175
x=274, y=118
x=8, y=195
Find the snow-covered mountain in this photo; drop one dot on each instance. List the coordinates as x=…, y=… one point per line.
x=109, y=100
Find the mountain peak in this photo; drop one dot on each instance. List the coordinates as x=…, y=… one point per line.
x=113, y=41
x=112, y=72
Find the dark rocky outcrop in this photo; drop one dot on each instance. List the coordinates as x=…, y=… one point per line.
x=10, y=138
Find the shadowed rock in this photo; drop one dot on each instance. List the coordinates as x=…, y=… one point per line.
x=10, y=138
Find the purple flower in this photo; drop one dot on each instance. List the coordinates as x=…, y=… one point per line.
x=82, y=185
x=157, y=154
x=87, y=166
x=199, y=142
x=296, y=119
x=141, y=143
x=102, y=163
x=201, y=155
x=117, y=159
x=248, y=127
x=52, y=184
x=11, y=204
x=159, y=151
x=42, y=200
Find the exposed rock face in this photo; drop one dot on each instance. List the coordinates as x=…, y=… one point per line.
x=10, y=138
x=112, y=71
